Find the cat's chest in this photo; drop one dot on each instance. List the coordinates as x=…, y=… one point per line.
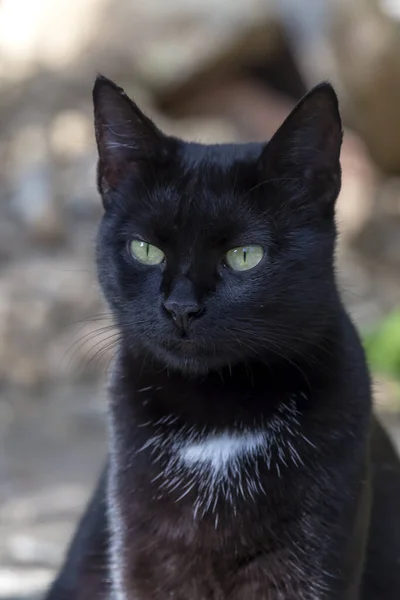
x=214, y=471
x=217, y=454
x=181, y=573
x=190, y=497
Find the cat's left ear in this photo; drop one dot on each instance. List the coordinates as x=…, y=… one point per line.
x=127, y=140
x=303, y=155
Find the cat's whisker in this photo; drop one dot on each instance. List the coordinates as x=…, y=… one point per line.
x=80, y=342
x=110, y=344
x=107, y=333
x=94, y=318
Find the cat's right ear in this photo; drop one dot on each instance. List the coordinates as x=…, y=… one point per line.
x=303, y=157
x=126, y=138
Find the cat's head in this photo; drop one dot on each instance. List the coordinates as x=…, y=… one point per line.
x=212, y=255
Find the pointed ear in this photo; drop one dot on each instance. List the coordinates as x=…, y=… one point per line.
x=125, y=137
x=303, y=155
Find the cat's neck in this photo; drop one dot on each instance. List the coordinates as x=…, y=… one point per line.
x=235, y=397
x=198, y=439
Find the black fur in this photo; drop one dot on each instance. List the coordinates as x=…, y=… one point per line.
x=268, y=350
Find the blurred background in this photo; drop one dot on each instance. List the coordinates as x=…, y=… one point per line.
x=210, y=70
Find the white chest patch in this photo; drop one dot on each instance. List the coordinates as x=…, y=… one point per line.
x=214, y=466
x=218, y=452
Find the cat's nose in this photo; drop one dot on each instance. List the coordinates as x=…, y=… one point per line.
x=182, y=312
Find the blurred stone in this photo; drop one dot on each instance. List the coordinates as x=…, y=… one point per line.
x=34, y=204
x=76, y=183
x=254, y=110
x=366, y=41
x=51, y=33
x=387, y=397
x=29, y=145
x=206, y=130
x=306, y=28
x=180, y=40
x=29, y=549
x=379, y=238
x=71, y=133
x=14, y=580
x=164, y=43
x=10, y=237
x=33, y=197
x=39, y=300
x=360, y=184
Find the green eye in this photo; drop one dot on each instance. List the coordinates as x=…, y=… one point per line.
x=146, y=253
x=244, y=257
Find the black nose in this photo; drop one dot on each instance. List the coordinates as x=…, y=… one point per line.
x=182, y=312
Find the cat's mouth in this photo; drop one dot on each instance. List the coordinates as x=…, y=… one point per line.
x=189, y=355
x=189, y=349
x=184, y=346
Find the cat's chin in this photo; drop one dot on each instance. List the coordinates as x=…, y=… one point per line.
x=188, y=360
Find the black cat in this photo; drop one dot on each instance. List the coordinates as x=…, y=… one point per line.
x=244, y=460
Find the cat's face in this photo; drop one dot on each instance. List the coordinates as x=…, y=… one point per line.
x=211, y=255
